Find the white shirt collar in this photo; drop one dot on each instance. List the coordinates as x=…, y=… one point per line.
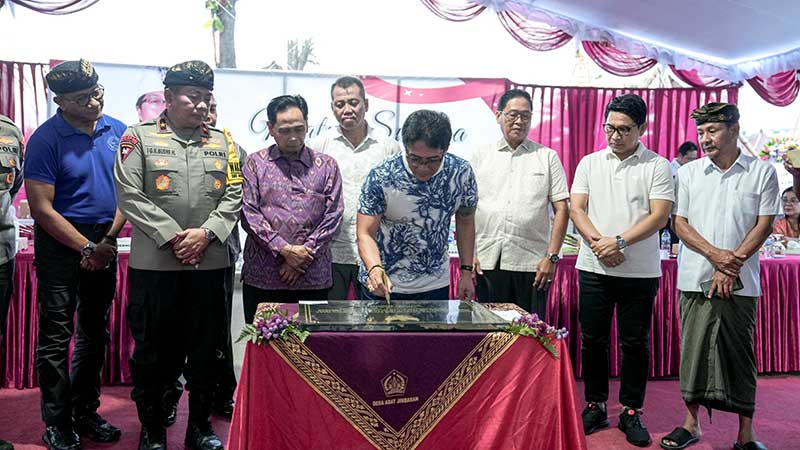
x=742, y=160
x=526, y=145
x=640, y=148
x=340, y=136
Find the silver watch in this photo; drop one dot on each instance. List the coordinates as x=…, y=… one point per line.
x=88, y=249
x=553, y=257
x=621, y=243
x=210, y=236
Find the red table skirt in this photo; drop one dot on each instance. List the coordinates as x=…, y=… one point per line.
x=524, y=396
x=18, y=368
x=777, y=334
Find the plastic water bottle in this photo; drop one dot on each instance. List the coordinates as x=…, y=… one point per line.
x=666, y=244
x=768, y=246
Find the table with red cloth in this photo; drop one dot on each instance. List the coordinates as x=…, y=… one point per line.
x=18, y=368
x=777, y=334
x=406, y=390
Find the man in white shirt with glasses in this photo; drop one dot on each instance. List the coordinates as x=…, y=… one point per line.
x=518, y=182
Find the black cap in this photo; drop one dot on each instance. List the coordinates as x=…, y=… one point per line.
x=190, y=73
x=71, y=76
x=716, y=112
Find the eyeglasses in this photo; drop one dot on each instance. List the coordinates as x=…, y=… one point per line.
x=611, y=129
x=416, y=161
x=790, y=200
x=84, y=99
x=512, y=116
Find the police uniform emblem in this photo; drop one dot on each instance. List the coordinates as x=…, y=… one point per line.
x=163, y=182
x=217, y=184
x=126, y=145
x=12, y=162
x=6, y=140
x=218, y=164
x=161, y=162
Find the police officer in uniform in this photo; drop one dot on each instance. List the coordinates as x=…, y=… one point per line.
x=10, y=182
x=179, y=184
x=69, y=181
x=222, y=403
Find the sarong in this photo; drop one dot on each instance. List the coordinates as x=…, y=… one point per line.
x=718, y=364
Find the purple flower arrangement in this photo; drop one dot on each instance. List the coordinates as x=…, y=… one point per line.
x=530, y=325
x=272, y=324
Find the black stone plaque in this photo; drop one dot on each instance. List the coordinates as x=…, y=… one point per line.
x=406, y=315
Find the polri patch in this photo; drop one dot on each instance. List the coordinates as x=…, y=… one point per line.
x=126, y=145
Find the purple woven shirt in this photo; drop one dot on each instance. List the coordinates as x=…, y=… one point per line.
x=296, y=202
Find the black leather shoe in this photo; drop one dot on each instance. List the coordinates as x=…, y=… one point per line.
x=61, y=438
x=202, y=437
x=169, y=412
x=6, y=445
x=97, y=429
x=223, y=409
x=153, y=439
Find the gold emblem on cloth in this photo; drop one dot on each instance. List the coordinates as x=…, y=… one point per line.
x=394, y=384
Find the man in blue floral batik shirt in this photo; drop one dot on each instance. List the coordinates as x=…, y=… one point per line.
x=404, y=215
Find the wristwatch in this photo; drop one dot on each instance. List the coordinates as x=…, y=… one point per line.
x=88, y=249
x=466, y=267
x=210, y=236
x=621, y=243
x=553, y=257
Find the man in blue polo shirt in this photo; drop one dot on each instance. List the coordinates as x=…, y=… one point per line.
x=70, y=186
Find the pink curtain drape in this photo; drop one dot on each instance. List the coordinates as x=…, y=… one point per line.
x=23, y=94
x=54, y=7
x=694, y=79
x=533, y=35
x=454, y=10
x=780, y=89
x=569, y=119
x=616, y=61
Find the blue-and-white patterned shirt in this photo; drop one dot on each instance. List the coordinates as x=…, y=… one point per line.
x=415, y=219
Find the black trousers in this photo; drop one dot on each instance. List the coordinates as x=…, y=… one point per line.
x=71, y=298
x=252, y=296
x=633, y=298
x=344, y=275
x=506, y=286
x=6, y=288
x=177, y=320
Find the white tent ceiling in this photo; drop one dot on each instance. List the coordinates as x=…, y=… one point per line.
x=729, y=39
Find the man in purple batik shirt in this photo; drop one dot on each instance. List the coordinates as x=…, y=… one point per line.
x=291, y=208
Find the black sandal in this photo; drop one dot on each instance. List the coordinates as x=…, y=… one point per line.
x=681, y=437
x=752, y=445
